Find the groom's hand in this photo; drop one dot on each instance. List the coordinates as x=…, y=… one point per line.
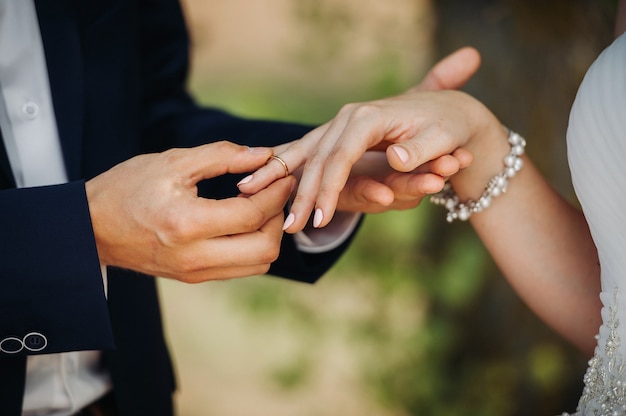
x=147, y=216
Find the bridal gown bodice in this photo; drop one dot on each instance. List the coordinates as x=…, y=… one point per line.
x=596, y=141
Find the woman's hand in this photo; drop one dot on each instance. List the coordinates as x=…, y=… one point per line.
x=420, y=131
x=373, y=186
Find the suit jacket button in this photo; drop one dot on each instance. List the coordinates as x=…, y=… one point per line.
x=35, y=342
x=11, y=345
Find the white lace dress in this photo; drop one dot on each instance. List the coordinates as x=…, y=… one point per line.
x=596, y=140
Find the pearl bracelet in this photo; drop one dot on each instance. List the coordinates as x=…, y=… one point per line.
x=496, y=186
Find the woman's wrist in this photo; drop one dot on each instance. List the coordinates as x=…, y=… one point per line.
x=462, y=209
x=489, y=148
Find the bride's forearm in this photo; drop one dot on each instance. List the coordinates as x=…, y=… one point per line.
x=543, y=246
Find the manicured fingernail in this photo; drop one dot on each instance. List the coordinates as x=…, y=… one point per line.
x=259, y=150
x=288, y=221
x=245, y=180
x=402, y=153
x=318, y=217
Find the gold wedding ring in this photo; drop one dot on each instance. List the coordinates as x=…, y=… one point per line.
x=282, y=162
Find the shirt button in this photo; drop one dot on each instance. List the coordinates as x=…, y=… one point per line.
x=30, y=109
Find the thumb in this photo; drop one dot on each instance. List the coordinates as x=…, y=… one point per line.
x=216, y=159
x=452, y=72
x=405, y=157
x=426, y=146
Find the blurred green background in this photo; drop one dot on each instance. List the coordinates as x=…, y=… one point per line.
x=415, y=319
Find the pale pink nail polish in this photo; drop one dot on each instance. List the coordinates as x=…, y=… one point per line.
x=318, y=217
x=288, y=221
x=402, y=153
x=245, y=180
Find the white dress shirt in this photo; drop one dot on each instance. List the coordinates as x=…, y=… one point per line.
x=62, y=384
x=56, y=384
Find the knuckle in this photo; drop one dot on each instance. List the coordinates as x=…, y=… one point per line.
x=357, y=188
x=187, y=264
x=360, y=110
x=328, y=192
x=223, y=145
x=172, y=156
x=263, y=269
x=347, y=109
x=254, y=219
x=315, y=162
x=330, y=187
x=303, y=200
x=365, y=111
x=272, y=252
x=176, y=229
x=223, y=148
x=187, y=278
x=256, y=270
x=341, y=155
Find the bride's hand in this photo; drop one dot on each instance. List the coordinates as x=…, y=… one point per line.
x=373, y=186
x=430, y=125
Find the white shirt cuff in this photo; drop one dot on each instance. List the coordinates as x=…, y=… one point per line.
x=319, y=240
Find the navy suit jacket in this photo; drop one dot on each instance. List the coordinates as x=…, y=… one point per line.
x=117, y=70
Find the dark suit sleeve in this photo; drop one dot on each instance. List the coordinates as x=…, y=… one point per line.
x=51, y=292
x=49, y=271
x=172, y=118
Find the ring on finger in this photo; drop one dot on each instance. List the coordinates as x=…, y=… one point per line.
x=282, y=162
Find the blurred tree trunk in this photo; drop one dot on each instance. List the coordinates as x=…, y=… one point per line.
x=535, y=54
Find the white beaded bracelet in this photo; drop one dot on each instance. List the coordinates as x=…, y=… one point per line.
x=448, y=198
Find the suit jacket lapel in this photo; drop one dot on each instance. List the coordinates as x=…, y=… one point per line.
x=61, y=42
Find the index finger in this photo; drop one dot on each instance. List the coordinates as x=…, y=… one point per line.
x=212, y=218
x=216, y=159
x=327, y=171
x=294, y=154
